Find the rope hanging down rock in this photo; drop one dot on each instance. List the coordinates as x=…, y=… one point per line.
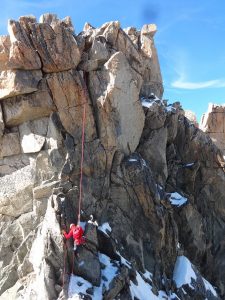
x=81, y=174
x=82, y=147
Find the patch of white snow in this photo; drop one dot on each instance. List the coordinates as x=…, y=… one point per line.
x=208, y=286
x=123, y=260
x=177, y=199
x=79, y=285
x=142, y=290
x=147, y=103
x=170, y=109
x=183, y=272
x=189, y=165
x=105, y=227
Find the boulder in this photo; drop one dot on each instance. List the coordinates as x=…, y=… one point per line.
x=16, y=192
x=117, y=284
x=191, y=116
x=98, y=50
x=213, y=122
x=17, y=82
x=119, y=113
x=155, y=115
x=53, y=20
x=54, y=135
x=33, y=135
x=218, y=139
x=152, y=79
x=133, y=34
x=20, y=109
x=44, y=190
x=110, y=31
x=22, y=54
x=10, y=164
x=149, y=30
x=91, y=237
x=48, y=268
x=87, y=265
x=4, y=52
x=153, y=150
x=213, y=119
x=131, y=51
x=56, y=46
x=70, y=95
x=10, y=144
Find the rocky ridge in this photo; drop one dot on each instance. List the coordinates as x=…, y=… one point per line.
x=213, y=123
x=152, y=180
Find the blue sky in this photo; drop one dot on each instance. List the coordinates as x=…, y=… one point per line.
x=190, y=38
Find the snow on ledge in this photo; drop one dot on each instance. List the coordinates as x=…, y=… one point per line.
x=209, y=287
x=105, y=227
x=177, y=200
x=143, y=291
x=183, y=272
x=79, y=285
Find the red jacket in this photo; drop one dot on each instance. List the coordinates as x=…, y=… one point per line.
x=77, y=233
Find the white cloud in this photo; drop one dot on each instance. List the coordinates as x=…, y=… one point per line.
x=188, y=85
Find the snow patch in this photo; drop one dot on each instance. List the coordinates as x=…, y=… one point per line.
x=148, y=102
x=177, y=199
x=183, y=272
x=123, y=260
x=189, y=165
x=132, y=159
x=170, y=108
x=144, y=162
x=143, y=291
x=209, y=287
x=105, y=227
x=79, y=285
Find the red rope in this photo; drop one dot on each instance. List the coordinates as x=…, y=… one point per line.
x=64, y=264
x=82, y=153
x=72, y=263
x=81, y=179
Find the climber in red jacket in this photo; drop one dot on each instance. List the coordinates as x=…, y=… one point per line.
x=76, y=231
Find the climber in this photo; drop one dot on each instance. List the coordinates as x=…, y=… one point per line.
x=76, y=231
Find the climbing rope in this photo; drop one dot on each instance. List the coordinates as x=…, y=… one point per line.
x=81, y=177
x=82, y=157
x=64, y=264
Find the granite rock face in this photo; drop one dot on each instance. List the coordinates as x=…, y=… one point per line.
x=153, y=183
x=213, y=122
